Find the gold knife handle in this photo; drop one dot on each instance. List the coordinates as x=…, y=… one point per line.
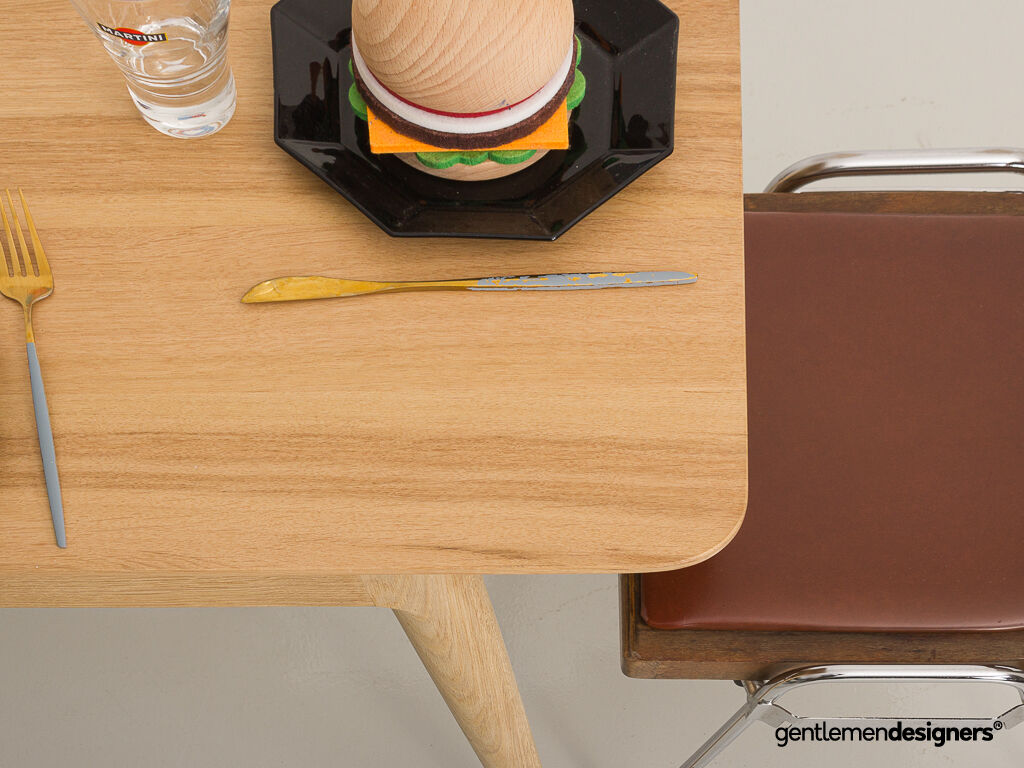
x=315, y=287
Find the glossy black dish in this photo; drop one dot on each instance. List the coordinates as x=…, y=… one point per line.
x=622, y=129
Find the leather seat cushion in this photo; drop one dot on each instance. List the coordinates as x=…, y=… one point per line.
x=885, y=377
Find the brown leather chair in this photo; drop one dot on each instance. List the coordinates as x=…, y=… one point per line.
x=884, y=536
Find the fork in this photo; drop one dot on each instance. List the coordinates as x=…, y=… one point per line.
x=27, y=280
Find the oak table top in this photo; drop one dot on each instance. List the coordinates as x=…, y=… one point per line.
x=278, y=447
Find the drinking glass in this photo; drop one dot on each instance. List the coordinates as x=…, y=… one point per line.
x=173, y=53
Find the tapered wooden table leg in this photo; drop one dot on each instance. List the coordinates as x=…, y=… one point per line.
x=451, y=623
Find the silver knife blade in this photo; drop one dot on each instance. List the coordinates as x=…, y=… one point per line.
x=583, y=281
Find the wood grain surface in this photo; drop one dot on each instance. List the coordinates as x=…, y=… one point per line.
x=911, y=202
x=451, y=624
x=268, y=449
x=463, y=55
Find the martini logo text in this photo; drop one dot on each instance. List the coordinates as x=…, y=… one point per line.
x=132, y=36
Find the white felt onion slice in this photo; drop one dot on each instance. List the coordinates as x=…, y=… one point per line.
x=446, y=124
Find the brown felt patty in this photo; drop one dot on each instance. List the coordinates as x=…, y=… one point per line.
x=467, y=141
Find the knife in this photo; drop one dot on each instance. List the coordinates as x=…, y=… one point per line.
x=299, y=288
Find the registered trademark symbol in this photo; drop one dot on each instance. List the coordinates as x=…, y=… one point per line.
x=998, y=725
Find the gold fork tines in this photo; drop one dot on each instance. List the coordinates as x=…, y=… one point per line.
x=26, y=278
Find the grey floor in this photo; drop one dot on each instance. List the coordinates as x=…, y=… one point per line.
x=207, y=688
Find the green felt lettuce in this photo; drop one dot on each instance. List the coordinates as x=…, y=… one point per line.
x=442, y=160
x=510, y=156
x=355, y=98
x=578, y=89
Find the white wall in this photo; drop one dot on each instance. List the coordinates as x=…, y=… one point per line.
x=824, y=75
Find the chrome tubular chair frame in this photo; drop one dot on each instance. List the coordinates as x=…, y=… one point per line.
x=762, y=700
x=762, y=696
x=896, y=163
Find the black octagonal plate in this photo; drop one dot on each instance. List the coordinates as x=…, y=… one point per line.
x=622, y=128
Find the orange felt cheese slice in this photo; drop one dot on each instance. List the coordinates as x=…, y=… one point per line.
x=554, y=134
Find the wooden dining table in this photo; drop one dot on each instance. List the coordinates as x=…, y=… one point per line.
x=383, y=451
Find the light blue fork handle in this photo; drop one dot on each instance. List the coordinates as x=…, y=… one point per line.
x=46, y=446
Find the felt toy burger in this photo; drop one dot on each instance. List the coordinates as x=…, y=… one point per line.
x=465, y=89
